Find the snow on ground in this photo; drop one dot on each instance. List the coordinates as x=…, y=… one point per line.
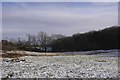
x=77, y=66
x=109, y=53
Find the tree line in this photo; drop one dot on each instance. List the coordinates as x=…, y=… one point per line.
x=40, y=42
x=107, y=38
x=104, y=39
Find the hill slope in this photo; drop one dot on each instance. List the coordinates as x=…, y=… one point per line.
x=107, y=38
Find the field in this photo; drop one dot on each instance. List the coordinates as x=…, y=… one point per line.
x=53, y=65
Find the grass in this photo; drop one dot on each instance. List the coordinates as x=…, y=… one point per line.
x=12, y=55
x=100, y=60
x=17, y=55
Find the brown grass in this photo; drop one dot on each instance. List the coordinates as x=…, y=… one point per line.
x=12, y=55
x=16, y=55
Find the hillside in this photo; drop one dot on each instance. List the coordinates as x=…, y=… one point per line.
x=94, y=40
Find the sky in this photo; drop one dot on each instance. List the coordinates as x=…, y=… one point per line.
x=60, y=0
x=67, y=18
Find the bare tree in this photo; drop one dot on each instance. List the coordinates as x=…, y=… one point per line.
x=29, y=42
x=1, y=45
x=43, y=39
x=33, y=40
x=29, y=38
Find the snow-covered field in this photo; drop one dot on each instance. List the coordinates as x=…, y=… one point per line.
x=73, y=66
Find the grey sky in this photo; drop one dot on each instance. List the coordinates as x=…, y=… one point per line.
x=56, y=18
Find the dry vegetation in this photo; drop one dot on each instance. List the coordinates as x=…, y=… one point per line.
x=17, y=55
x=12, y=55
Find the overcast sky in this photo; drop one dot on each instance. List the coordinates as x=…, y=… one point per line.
x=67, y=18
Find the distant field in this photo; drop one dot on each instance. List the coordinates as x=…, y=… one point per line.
x=15, y=54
